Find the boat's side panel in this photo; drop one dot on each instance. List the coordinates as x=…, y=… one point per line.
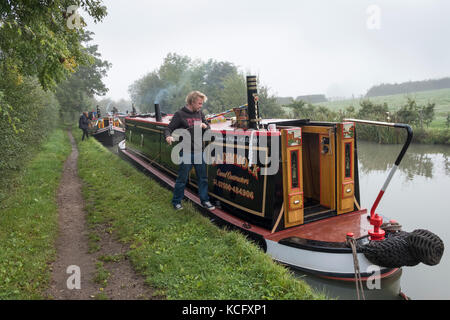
x=339, y=265
x=238, y=181
x=239, y=186
x=148, y=138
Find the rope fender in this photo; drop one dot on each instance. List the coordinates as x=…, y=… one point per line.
x=401, y=248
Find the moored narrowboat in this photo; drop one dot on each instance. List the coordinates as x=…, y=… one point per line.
x=292, y=185
x=109, y=130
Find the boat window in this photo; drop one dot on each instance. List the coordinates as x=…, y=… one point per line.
x=348, y=160
x=294, y=170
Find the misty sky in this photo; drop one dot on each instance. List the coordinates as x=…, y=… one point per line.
x=333, y=47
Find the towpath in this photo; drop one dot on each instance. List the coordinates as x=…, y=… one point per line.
x=77, y=273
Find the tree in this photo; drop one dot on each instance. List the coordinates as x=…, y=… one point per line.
x=416, y=115
x=427, y=113
x=233, y=93
x=35, y=39
x=372, y=111
x=77, y=92
x=268, y=106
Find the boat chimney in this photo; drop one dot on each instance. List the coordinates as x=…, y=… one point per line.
x=252, y=102
x=157, y=112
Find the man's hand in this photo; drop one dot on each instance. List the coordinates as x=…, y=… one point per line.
x=201, y=124
x=169, y=140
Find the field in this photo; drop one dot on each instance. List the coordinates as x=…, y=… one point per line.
x=440, y=97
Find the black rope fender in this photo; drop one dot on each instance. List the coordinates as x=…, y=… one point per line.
x=401, y=248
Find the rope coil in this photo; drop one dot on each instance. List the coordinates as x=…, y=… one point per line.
x=351, y=241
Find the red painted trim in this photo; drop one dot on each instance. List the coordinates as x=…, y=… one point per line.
x=147, y=121
x=246, y=133
x=351, y=160
x=320, y=167
x=299, y=189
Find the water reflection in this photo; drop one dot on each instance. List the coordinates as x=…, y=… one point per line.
x=346, y=290
x=419, y=160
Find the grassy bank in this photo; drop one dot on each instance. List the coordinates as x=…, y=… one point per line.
x=28, y=221
x=183, y=255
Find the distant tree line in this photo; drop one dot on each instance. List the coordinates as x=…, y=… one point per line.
x=408, y=87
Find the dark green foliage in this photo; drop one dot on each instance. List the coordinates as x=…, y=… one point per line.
x=35, y=39
x=38, y=51
x=416, y=115
x=76, y=94
x=35, y=113
x=302, y=110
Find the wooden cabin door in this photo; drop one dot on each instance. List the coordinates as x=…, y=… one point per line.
x=346, y=174
x=291, y=155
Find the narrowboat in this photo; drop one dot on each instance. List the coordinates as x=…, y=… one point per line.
x=109, y=130
x=291, y=185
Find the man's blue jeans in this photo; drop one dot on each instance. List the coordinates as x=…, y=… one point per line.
x=183, y=174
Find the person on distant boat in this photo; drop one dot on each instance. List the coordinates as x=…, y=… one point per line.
x=83, y=124
x=186, y=118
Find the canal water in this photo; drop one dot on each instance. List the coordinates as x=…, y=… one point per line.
x=418, y=197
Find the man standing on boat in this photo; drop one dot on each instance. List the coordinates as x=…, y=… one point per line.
x=83, y=124
x=188, y=118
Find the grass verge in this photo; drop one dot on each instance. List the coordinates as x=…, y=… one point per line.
x=183, y=255
x=28, y=221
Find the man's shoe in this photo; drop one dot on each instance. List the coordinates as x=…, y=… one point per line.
x=178, y=207
x=208, y=205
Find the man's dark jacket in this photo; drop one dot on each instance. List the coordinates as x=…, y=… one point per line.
x=83, y=123
x=185, y=119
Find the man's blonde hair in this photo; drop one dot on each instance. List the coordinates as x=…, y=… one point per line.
x=192, y=97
